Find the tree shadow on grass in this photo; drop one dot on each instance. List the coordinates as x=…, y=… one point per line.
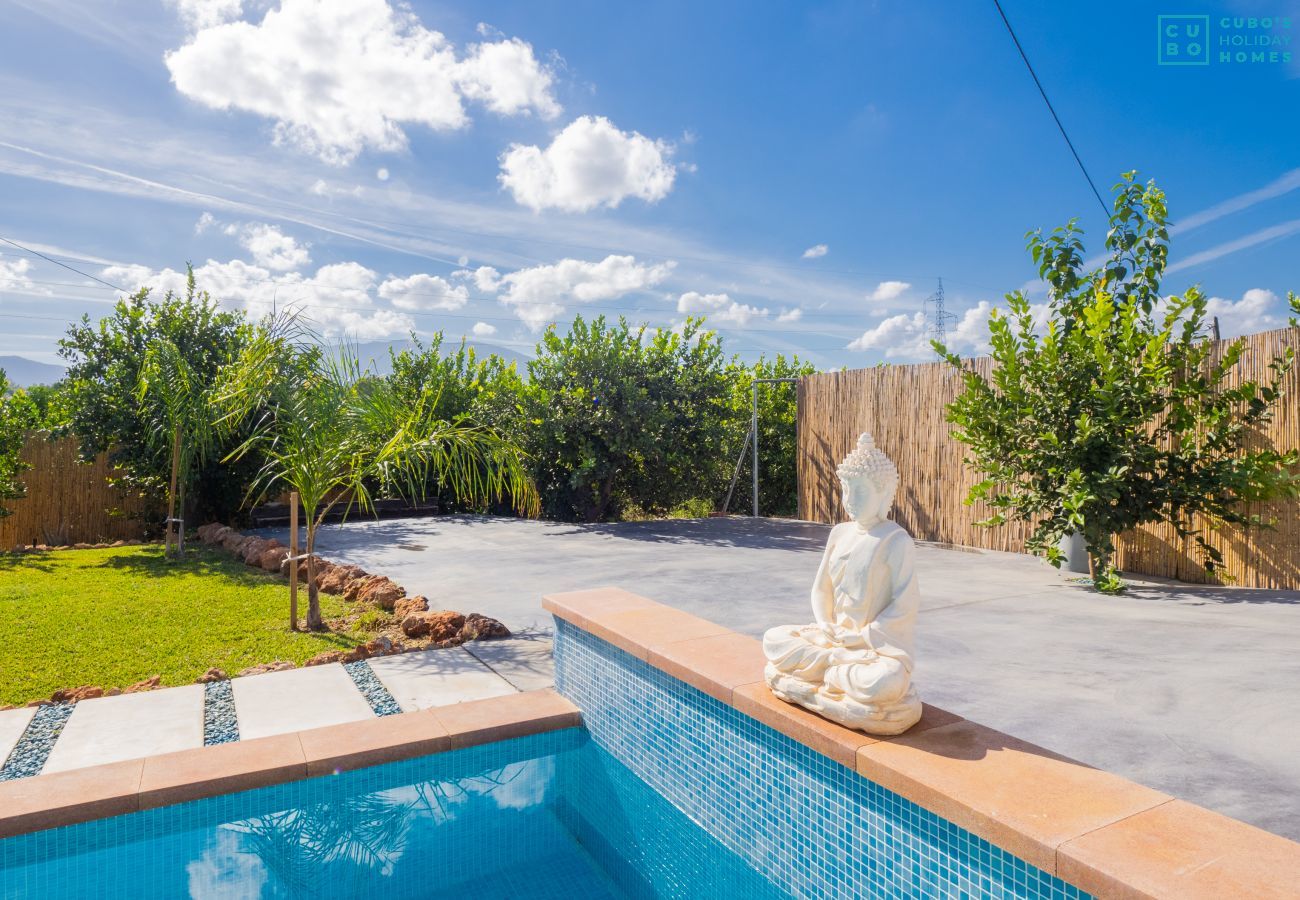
x=25, y=562
x=204, y=562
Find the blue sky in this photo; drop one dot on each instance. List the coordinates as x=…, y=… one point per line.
x=488, y=168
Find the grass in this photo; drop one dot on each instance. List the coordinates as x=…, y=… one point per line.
x=117, y=616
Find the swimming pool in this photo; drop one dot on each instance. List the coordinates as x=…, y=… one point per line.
x=551, y=815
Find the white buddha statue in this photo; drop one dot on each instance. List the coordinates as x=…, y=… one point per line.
x=854, y=664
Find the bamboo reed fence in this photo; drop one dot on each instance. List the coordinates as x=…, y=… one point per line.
x=69, y=502
x=903, y=407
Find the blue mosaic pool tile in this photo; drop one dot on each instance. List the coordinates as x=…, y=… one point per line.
x=812, y=826
x=430, y=827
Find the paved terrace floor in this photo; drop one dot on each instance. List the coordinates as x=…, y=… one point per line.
x=130, y=726
x=1190, y=690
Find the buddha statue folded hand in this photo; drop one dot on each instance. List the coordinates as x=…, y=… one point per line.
x=853, y=665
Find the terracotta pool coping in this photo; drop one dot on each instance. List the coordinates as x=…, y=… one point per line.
x=96, y=792
x=1105, y=834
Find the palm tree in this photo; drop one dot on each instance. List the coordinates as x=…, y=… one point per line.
x=334, y=431
x=182, y=418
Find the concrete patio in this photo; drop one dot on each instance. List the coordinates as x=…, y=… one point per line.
x=131, y=726
x=1186, y=689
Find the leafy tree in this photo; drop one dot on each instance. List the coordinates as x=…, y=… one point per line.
x=48, y=403
x=329, y=429
x=778, y=451
x=485, y=388
x=1111, y=409
x=465, y=387
x=101, y=391
x=18, y=415
x=181, y=401
x=616, y=414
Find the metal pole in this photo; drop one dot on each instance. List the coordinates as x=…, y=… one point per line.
x=753, y=424
x=735, y=474
x=754, y=427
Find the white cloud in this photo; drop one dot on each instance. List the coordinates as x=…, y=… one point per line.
x=483, y=329
x=902, y=335
x=590, y=163
x=424, y=292
x=199, y=14
x=270, y=247
x=485, y=278
x=539, y=294
x=225, y=869
x=888, y=290
x=1257, y=310
x=790, y=315
x=342, y=76
x=13, y=275
x=908, y=335
x=816, y=251
x=506, y=77
x=206, y=221
x=719, y=308
x=338, y=299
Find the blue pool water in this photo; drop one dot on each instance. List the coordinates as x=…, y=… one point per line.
x=547, y=816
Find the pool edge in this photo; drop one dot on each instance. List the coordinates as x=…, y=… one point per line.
x=1094, y=829
x=98, y=792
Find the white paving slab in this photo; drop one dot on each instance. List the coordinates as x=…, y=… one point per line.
x=525, y=662
x=129, y=726
x=437, y=678
x=312, y=697
x=13, y=722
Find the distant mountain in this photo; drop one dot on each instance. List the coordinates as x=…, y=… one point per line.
x=377, y=351
x=23, y=372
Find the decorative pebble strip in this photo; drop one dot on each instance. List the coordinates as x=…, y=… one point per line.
x=372, y=688
x=220, y=726
x=33, y=748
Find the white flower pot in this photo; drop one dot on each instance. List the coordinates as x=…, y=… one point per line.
x=1075, y=549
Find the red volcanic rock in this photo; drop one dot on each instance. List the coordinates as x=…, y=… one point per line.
x=383, y=593
x=253, y=550
x=213, y=674
x=234, y=542
x=279, y=665
x=437, y=626
x=272, y=558
x=352, y=591
x=477, y=627
x=336, y=578
x=408, y=606
x=325, y=658
x=86, y=692
x=148, y=684
x=359, y=652
x=379, y=646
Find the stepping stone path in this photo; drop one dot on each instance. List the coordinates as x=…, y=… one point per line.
x=437, y=678
x=111, y=729
x=57, y=738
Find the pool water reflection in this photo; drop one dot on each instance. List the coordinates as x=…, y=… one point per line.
x=546, y=816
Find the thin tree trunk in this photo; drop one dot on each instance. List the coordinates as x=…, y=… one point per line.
x=293, y=563
x=171, y=493
x=314, y=620
x=180, y=526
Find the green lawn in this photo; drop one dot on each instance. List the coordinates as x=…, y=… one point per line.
x=117, y=616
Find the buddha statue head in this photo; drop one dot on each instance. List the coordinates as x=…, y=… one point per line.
x=868, y=481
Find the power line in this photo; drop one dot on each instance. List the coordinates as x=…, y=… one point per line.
x=64, y=265
x=1096, y=193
